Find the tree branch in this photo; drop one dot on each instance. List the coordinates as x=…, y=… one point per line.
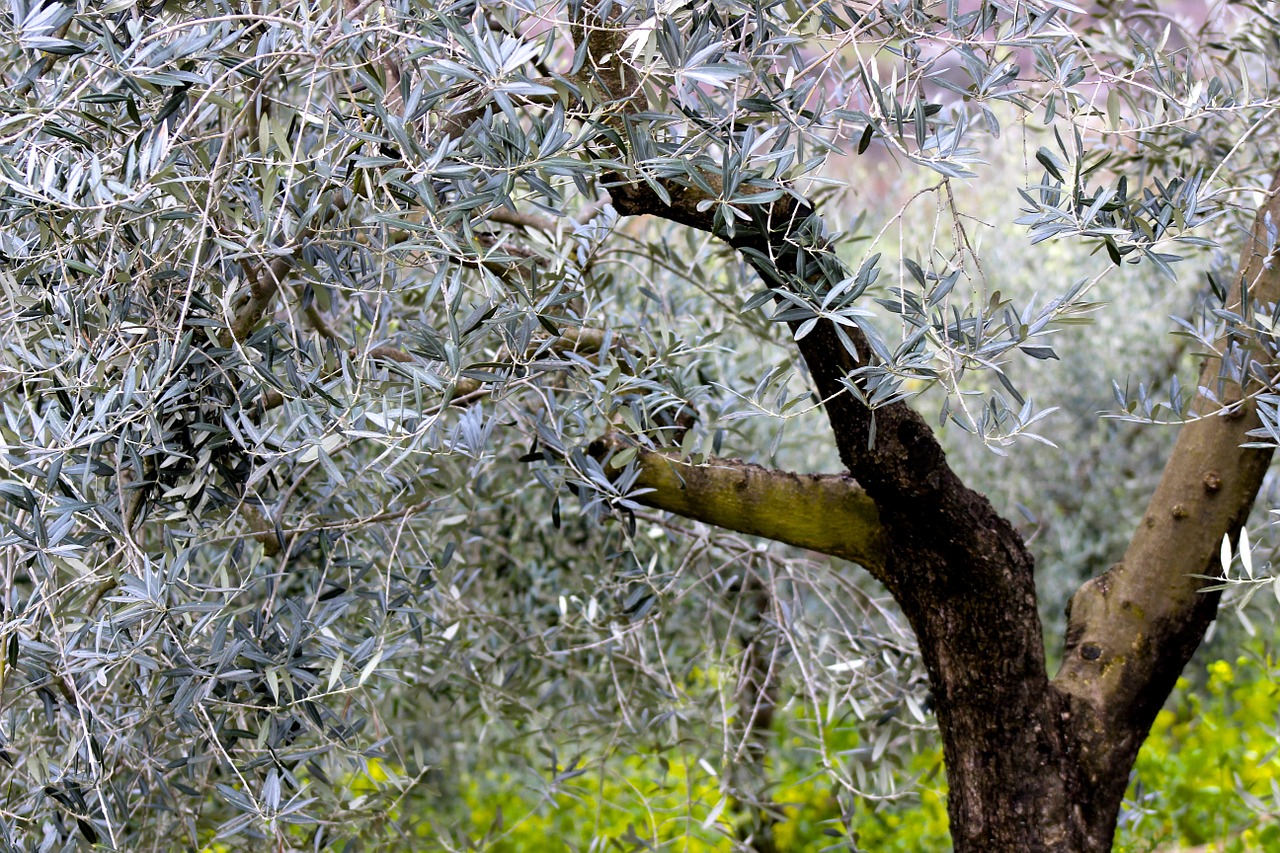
x=522, y=220
x=904, y=468
x=575, y=339
x=827, y=513
x=265, y=282
x=1132, y=629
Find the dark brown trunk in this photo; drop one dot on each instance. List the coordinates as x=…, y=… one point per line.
x=964, y=579
x=961, y=573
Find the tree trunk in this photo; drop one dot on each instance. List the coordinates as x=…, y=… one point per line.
x=1033, y=764
x=964, y=579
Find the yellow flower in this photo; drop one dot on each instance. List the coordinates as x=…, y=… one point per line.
x=1220, y=675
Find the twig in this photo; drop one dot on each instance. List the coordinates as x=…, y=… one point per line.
x=522, y=220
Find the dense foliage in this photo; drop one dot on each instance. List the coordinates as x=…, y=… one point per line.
x=313, y=311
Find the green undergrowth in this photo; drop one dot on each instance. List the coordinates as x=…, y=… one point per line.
x=1209, y=774
x=662, y=802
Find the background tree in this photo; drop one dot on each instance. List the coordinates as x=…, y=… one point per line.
x=300, y=298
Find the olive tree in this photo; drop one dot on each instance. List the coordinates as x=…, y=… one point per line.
x=300, y=297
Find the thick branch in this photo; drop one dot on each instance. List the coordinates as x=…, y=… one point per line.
x=827, y=513
x=904, y=467
x=1132, y=629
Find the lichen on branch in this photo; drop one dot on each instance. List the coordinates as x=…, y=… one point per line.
x=827, y=513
